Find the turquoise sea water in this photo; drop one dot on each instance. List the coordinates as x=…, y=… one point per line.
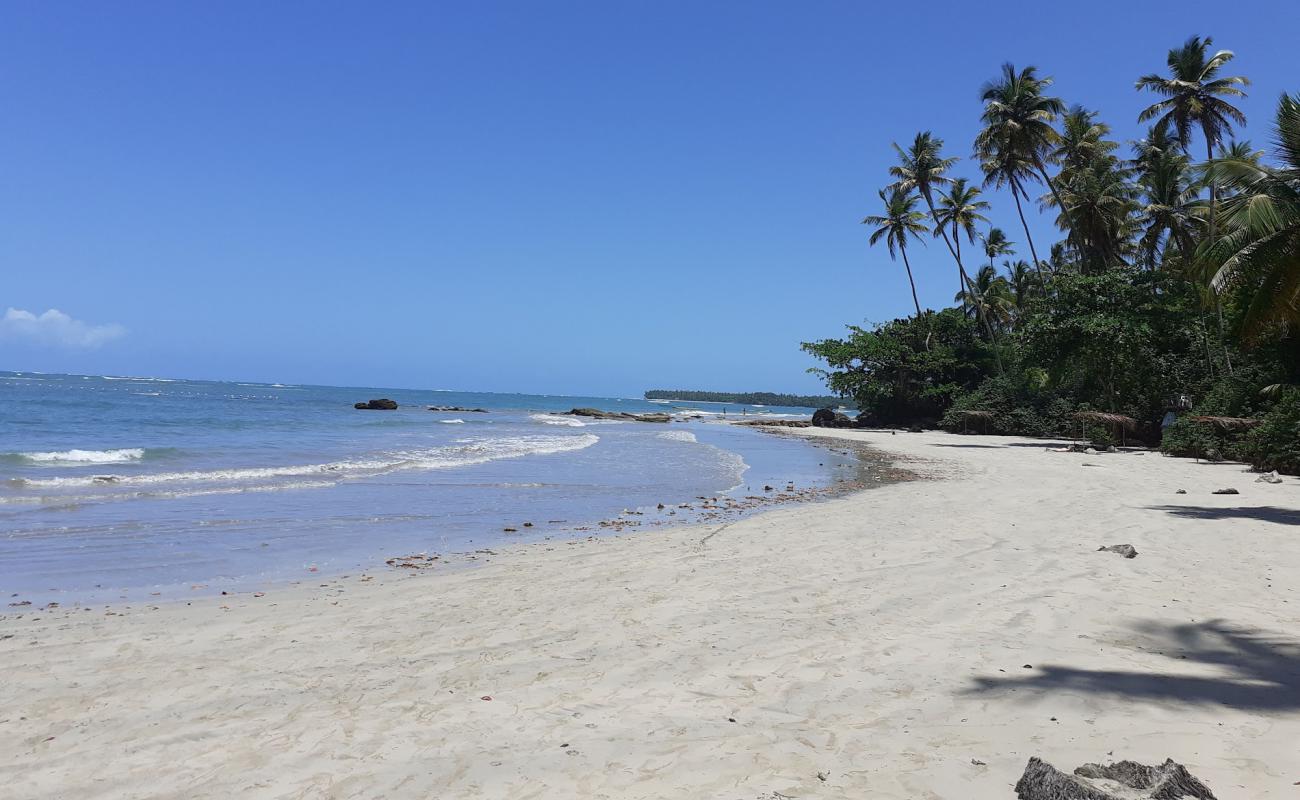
x=113, y=487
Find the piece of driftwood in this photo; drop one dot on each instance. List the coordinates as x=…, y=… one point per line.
x=1124, y=780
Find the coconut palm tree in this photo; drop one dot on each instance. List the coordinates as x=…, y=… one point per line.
x=1018, y=117
x=1024, y=283
x=989, y=296
x=996, y=244
x=958, y=211
x=921, y=168
x=1172, y=215
x=1095, y=195
x=1004, y=167
x=900, y=222
x=1193, y=96
x=1259, y=251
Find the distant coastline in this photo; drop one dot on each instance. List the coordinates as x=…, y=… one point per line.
x=748, y=398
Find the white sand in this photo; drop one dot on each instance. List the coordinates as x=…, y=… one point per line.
x=877, y=640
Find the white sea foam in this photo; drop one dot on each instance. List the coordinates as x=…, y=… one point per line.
x=452, y=421
x=558, y=419
x=466, y=452
x=120, y=456
x=678, y=436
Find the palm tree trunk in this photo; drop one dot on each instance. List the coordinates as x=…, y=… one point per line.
x=1015, y=193
x=1214, y=197
x=961, y=272
x=1214, y=189
x=966, y=283
x=908, y=266
x=1069, y=218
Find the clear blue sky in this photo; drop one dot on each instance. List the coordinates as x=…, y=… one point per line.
x=553, y=197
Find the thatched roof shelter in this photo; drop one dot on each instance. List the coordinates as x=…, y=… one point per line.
x=1226, y=423
x=1106, y=418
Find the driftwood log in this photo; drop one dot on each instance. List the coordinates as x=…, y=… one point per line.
x=1124, y=780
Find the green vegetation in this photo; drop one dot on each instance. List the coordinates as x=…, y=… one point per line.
x=1177, y=272
x=747, y=398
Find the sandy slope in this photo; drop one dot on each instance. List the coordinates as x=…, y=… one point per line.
x=870, y=646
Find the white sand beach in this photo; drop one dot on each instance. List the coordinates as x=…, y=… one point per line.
x=920, y=640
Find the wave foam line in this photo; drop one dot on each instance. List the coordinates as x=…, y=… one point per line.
x=470, y=452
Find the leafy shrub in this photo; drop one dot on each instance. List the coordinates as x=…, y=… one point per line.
x=1019, y=407
x=1275, y=443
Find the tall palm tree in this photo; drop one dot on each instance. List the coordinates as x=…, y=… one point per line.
x=921, y=168
x=989, y=296
x=1004, y=167
x=1260, y=247
x=1018, y=117
x=1095, y=195
x=1194, y=95
x=1171, y=212
x=996, y=244
x=1023, y=282
x=900, y=221
x=959, y=209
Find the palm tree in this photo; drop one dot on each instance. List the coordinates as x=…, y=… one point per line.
x=1260, y=247
x=1023, y=282
x=1003, y=167
x=900, y=221
x=959, y=209
x=1194, y=95
x=996, y=244
x=989, y=296
x=921, y=169
x=1018, y=117
x=1095, y=195
x=1171, y=212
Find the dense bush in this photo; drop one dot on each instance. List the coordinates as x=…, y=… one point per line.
x=1275, y=443
x=1017, y=406
x=908, y=370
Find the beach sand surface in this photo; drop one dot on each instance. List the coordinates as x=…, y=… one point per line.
x=919, y=640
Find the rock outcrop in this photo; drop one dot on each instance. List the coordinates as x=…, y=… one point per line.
x=382, y=404
x=458, y=409
x=830, y=418
x=1124, y=780
x=596, y=413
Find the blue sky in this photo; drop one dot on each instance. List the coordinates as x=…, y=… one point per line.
x=550, y=197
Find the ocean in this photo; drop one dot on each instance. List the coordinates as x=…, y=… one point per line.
x=120, y=487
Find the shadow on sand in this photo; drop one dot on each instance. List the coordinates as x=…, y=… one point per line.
x=1256, y=671
x=1281, y=516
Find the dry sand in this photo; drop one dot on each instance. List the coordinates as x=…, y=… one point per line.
x=920, y=640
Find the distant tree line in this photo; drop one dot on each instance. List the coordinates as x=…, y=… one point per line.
x=747, y=398
x=1176, y=275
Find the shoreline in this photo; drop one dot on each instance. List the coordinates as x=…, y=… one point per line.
x=874, y=642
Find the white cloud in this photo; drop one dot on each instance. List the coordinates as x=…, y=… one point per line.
x=56, y=328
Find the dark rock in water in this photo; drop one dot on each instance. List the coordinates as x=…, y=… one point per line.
x=862, y=420
x=458, y=409
x=1229, y=490
x=383, y=404
x=596, y=413
x=1169, y=781
x=1181, y=491
x=776, y=423
x=1126, y=550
